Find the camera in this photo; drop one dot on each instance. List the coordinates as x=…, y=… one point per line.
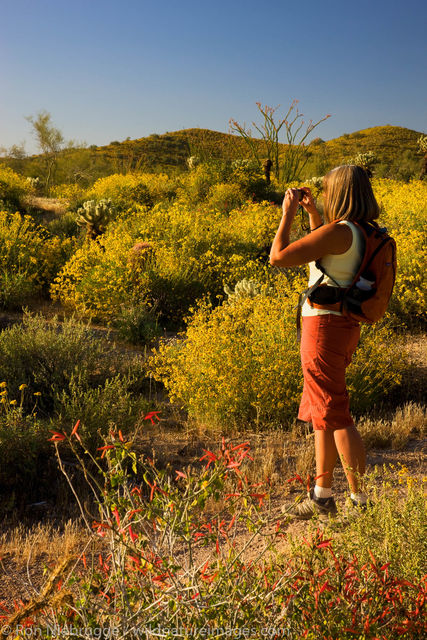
x=301, y=194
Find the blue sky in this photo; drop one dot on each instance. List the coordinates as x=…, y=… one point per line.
x=109, y=69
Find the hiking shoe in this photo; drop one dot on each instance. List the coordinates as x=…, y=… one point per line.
x=323, y=507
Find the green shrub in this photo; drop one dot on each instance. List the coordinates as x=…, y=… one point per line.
x=23, y=442
x=137, y=323
x=64, y=226
x=46, y=355
x=378, y=367
x=108, y=406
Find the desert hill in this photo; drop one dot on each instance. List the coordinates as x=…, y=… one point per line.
x=394, y=147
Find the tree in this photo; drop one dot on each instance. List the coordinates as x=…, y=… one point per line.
x=50, y=142
x=14, y=156
x=287, y=166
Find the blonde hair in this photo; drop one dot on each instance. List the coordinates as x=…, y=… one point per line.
x=348, y=195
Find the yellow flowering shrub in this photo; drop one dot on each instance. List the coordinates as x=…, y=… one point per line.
x=97, y=278
x=201, y=248
x=404, y=212
x=29, y=258
x=69, y=192
x=226, y=196
x=239, y=363
x=195, y=251
x=133, y=188
x=13, y=188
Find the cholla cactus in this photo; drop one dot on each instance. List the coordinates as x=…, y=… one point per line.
x=192, y=162
x=316, y=184
x=422, y=147
x=245, y=164
x=366, y=161
x=245, y=289
x=95, y=216
x=422, y=144
x=34, y=183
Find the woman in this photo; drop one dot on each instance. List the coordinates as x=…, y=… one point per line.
x=328, y=338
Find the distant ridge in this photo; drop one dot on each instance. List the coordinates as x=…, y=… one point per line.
x=390, y=144
x=394, y=147
x=387, y=142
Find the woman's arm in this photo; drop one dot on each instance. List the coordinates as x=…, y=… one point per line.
x=327, y=239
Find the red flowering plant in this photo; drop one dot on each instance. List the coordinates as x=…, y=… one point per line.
x=190, y=551
x=169, y=552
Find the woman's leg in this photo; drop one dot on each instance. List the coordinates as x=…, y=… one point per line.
x=351, y=449
x=326, y=457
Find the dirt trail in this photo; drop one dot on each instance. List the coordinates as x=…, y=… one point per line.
x=51, y=205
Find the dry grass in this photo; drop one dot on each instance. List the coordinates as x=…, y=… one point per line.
x=407, y=421
x=28, y=545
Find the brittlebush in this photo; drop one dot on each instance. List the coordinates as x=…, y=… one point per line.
x=239, y=363
x=199, y=249
x=13, y=188
x=404, y=212
x=133, y=188
x=193, y=252
x=30, y=257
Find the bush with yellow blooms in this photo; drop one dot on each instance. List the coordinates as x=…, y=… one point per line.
x=13, y=188
x=404, y=212
x=239, y=364
x=30, y=258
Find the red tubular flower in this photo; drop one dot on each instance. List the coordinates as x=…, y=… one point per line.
x=74, y=431
x=153, y=488
x=212, y=458
x=259, y=496
x=322, y=572
x=231, y=495
x=324, y=543
x=239, y=446
x=116, y=515
x=57, y=437
x=133, y=536
x=325, y=586
x=152, y=416
x=105, y=448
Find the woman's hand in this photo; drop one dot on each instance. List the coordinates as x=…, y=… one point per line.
x=290, y=203
x=308, y=201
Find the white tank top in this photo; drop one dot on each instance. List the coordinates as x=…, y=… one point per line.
x=341, y=267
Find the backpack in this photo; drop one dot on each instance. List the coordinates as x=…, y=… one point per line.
x=366, y=298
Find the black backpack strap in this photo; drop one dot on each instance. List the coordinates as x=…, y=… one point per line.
x=325, y=273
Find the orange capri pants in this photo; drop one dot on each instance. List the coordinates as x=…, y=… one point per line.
x=327, y=345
